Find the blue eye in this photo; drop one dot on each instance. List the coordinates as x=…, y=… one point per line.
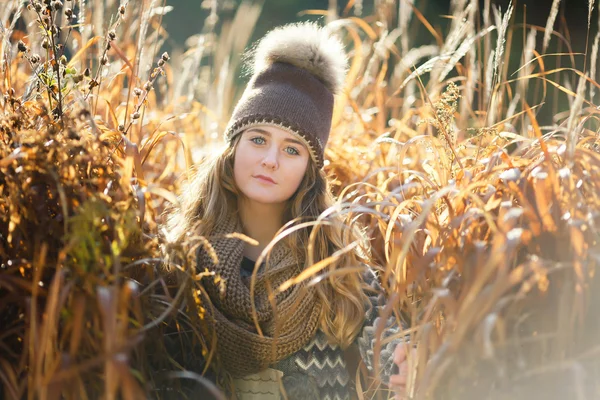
x=258, y=140
x=293, y=151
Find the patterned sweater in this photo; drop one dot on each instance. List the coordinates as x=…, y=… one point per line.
x=318, y=371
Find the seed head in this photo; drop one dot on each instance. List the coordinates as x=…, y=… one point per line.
x=87, y=72
x=108, y=46
x=63, y=60
x=161, y=62
x=165, y=56
x=121, y=128
x=147, y=86
x=122, y=10
x=37, y=6
x=45, y=43
x=104, y=60
x=135, y=115
x=69, y=13
x=112, y=35
x=72, y=135
x=34, y=59
x=137, y=92
x=77, y=78
x=21, y=46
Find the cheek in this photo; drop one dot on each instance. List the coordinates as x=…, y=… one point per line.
x=294, y=178
x=237, y=178
x=241, y=162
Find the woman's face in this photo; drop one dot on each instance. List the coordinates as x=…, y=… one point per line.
x=269, y=164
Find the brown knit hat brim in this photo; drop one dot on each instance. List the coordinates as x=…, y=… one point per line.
x=266, y=120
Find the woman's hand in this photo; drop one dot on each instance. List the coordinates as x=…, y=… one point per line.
x=398, y=381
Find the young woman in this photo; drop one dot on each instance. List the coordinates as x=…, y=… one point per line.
x=274, y=331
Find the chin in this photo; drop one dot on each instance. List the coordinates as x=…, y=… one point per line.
x=260, y=196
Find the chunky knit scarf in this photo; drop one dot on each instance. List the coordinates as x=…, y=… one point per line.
x=288, y=321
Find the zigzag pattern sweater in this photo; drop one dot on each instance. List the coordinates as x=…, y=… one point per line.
x=318, y=371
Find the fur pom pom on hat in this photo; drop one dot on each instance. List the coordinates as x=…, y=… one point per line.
x=305, y=46
x=297, y=70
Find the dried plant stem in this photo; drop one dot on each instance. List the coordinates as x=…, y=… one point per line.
x=57, y=64
x=51, y=40
x=103, y=59
x=550, y=23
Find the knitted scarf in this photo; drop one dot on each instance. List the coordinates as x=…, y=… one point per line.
x=288, y=321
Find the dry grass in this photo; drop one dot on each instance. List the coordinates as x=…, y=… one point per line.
x=483, y=213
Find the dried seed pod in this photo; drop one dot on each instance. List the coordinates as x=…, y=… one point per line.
x=161, y=62
x=87, y=72
x=84, y=113
x=147, y=86
x=165, y=56
x=37, y=6
x=72, y=134
x=122, y=10
x=112, y=35
x=104, y=60
x=21, y=46
x=34, y=59
x=45, y=43
x=69, y=13
x=77, y=78
x=57, y=5
x=121, y=128
x=135, y=115
x=137, y=92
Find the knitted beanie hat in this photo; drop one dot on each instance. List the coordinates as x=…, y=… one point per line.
x=297, y=70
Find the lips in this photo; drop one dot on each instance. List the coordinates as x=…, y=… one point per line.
x=264, y=178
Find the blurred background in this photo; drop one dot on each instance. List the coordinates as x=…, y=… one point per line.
x=188, y=17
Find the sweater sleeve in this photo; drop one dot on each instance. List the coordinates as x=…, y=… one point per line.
x=367, y=337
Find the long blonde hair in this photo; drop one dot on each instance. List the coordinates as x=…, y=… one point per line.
x=210, y=197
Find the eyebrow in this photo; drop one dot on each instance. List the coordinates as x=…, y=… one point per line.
x=266, y=133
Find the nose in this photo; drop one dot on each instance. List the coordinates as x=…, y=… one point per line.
x=270, y=159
